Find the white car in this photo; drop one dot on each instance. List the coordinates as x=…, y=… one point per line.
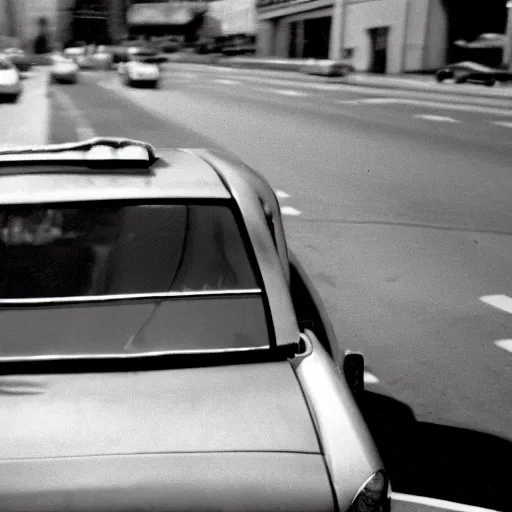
x=10, y=82
x=63, y=70
x=134, y=72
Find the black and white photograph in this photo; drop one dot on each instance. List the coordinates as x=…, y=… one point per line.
x=256, y=256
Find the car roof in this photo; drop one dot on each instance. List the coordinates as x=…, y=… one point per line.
x=176, y=174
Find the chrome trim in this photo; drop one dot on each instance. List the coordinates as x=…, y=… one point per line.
x=93, y=299
x=349, y=450
x=120, y=356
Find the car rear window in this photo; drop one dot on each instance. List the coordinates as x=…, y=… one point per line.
x=92, y=280
x=107, y=250
x=5, y=64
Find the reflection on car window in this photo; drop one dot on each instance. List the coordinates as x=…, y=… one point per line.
x=61, y=252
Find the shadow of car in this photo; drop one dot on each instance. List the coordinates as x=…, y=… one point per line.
x=472, y=72
x=438, y=461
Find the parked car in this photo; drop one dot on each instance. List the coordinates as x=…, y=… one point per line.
x=138, y=72
x=19, y=58
x=10, y=82
x=146, y=54
x=166, y=343
x=472, y=72
x=63, y=70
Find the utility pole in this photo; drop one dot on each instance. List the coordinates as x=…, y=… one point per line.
x=337, y=39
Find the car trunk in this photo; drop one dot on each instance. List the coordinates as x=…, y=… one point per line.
x=236, y=437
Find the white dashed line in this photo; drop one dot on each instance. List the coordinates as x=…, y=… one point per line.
x=503, y=123
x=226, y=81
x=378, y=101
x=438, y=504
x=289, y=210
x=83, y=129
x=288, y=92
x=369, y=378
x=504, y=344
x=282, y=194
x=348, y=102
x=438, y=119
x=502, y=302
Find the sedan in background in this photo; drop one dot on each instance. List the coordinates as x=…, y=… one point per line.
x=136, y=72
x=63, y=70
x=19, y=58
x=10, y=82
x=472, y=72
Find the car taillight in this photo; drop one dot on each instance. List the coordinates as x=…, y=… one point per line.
x=374, y=495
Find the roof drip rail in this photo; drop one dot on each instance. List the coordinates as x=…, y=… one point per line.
x=97, y=153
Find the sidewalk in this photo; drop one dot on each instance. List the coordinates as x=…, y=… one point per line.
x=428, y=83
x=26, y=122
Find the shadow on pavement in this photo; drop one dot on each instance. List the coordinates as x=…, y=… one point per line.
x=437, y=461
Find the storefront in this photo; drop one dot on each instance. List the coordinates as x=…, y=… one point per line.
x=295, y=28
x=162, y=19
x=380, y=36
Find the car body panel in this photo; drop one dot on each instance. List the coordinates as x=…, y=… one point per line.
x=178, y=174
x=350, y=453
x=10, y=83
x=269, y=263
x=247, y=407
x=196, y=482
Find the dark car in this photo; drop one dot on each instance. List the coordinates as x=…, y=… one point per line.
x=472, y=72
x=160, y=348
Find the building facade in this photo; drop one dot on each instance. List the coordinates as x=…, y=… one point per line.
x=384, y=36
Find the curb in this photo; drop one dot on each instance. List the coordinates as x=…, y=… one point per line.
x=299, y=68
x=433, y=89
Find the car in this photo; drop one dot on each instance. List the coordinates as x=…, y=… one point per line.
x=64, y=70
x=155, y=325
x=146, y=54
x=471, y=72
x=10, y=82
x=136, y=72
x=19, y=58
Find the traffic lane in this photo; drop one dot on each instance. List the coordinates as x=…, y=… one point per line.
x=340, y=274
x=105, y=113
x=370, y=166
x=289, y=79
x=409, y=298
x=413, y=184
x=488, y=126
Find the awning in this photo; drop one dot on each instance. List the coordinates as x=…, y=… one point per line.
x=165, y=13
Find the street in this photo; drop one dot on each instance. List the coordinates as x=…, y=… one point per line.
x=398, y=204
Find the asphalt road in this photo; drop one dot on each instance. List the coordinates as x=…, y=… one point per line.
x=399, y=205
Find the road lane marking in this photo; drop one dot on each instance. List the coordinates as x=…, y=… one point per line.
x=288, y=92
x=502, y=302
x=439, y=504
x=503, y=123
x=290, y=210
x=82, y=127
x=348, y=102
x=379, y=101
x=369, y=378
x=504, y=344
x=438, y=119
x=225, y=81
x=282, y=194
